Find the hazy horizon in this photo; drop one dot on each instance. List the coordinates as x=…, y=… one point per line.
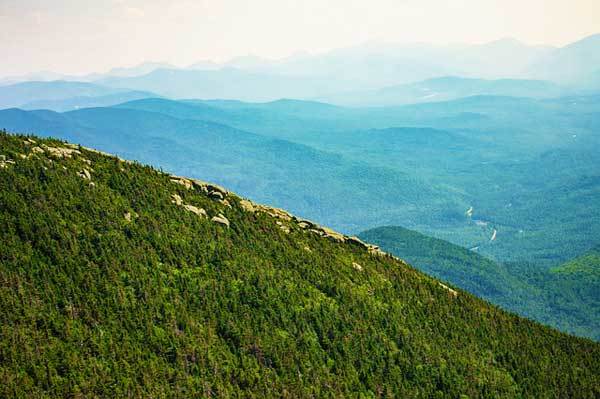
x=88, y=37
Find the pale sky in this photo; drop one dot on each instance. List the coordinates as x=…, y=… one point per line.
x=82, y=36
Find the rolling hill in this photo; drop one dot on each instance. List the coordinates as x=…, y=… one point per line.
x=121, y=280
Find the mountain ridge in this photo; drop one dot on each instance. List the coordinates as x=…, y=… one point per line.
x=141, y=283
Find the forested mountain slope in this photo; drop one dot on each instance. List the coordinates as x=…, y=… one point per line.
x=119, y=280
x=566, y=297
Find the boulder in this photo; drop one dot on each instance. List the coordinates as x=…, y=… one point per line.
x=216, y=195
x=183, y=181
x=226, y=203
x=209, y=187
x=220, y=219
x=333, y=235
x=357, y=266
x=176, y=199
x=85, y=174
x=198, y=211
x=60, y=152
x=357, y=241
x=247, y=206
x=275, y=212
x=452, y=292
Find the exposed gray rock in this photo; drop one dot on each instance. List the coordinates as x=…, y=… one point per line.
x=357, y=266
x=357, y=241
x=248, y=206
x=85, y=174
x=198, y=211
x=187, y=183
x=216, y=195
x=220, y=219
x=450, y=290
x=60, y=152
x=176, y=199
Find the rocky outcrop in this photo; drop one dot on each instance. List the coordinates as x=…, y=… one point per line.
x=85, y=174
x=220, y=219
x=213, y=191
x=210, y=189
x=283, y=227
x=176, y=199
x=309, y=226
x=274, y=212
x=452, y=292
x=357, y=266
x=285, y=221
x=182, y=181
x=358, y=242
x=60, y=152
x=195, y=210
x=4, y=162
x=247, y=206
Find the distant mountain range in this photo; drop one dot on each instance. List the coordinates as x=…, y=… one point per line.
x=64, y=95
x=383, y=74
x=449, y=88
x=577, y=64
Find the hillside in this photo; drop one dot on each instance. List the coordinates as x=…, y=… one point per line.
x=120, y=280
x=565, y=297
x=446, y=261
x=587, y=264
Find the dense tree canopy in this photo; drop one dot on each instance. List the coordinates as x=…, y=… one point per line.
x=111, y=286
